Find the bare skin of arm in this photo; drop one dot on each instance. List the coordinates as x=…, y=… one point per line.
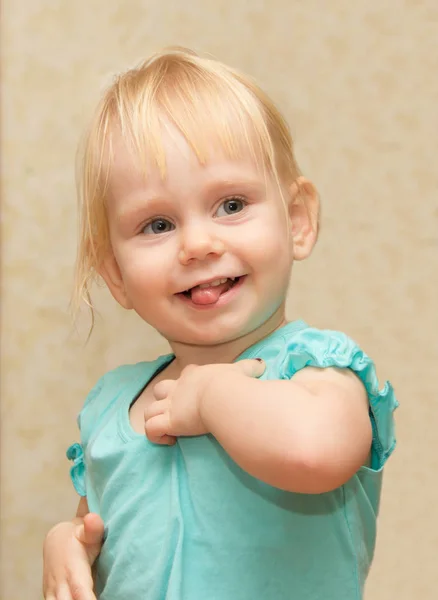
x=308, y=435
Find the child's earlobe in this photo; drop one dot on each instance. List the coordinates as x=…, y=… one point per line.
x=303, y=213
x=110, y=272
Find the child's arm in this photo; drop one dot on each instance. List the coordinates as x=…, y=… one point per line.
x=70, y=549
x=309, y=434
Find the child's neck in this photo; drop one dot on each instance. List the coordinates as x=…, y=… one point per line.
x=228, y=351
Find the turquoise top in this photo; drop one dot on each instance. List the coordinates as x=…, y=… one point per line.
x=187, y=523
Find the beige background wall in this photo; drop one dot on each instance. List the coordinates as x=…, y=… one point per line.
x=358, y=82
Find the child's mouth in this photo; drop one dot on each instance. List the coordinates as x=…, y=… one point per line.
x=209, y=293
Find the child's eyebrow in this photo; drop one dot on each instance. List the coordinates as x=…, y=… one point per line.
x=234, y=185
x=139, y=205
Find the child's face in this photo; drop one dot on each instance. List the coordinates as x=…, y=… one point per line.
x=221, y=223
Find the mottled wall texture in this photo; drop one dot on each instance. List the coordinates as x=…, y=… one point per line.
x=358, y=83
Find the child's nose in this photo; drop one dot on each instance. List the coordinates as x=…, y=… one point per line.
x=197, y=244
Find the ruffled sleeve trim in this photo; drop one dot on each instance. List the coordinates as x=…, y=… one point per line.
x=75, y=453
x=315, y=348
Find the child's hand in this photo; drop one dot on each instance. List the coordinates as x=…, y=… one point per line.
x=176, y=410
x=70, y=550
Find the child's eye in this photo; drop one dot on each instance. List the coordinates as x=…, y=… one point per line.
x=230, y=206
x=158, y=226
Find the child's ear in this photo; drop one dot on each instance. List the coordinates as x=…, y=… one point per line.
x=111, y=274
x=303, y=213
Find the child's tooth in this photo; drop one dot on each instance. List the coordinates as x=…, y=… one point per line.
x=214, y=283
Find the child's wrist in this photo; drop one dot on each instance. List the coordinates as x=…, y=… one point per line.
x=215, y=387
x=204, y=395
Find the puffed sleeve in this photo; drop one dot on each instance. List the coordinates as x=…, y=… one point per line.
x=75, y=453
x=323, y=349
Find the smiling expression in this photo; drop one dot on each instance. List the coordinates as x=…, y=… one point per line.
x=203, y=254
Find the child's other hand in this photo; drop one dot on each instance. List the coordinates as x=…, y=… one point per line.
x=70, y=550
x=176, y=410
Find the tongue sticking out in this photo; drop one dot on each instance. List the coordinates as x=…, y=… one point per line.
x=209, y=295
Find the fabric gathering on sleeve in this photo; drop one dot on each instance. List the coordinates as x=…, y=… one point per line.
x=75, y=453
x=324, y=349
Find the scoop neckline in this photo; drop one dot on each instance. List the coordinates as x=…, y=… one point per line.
x=126, y=431
x=125, y=428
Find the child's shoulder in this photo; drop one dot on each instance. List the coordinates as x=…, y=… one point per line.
x=297, y=345
x=306, y=343
x=121, y=382
x=126, y=375
x=328, y=347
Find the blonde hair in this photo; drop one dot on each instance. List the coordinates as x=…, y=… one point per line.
x=206, y=100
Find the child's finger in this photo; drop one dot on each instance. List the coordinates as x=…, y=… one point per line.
x=62, y=593
x=91, y=531
x=81, y=588
x=157, y=427
x=253, y=367
x=167, y=440
x=156, y=408
x=163, y=388
x=80, y=591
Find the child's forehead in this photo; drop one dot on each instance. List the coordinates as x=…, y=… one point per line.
x=130, y=164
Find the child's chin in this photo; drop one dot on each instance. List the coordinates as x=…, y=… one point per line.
x=211, y=336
